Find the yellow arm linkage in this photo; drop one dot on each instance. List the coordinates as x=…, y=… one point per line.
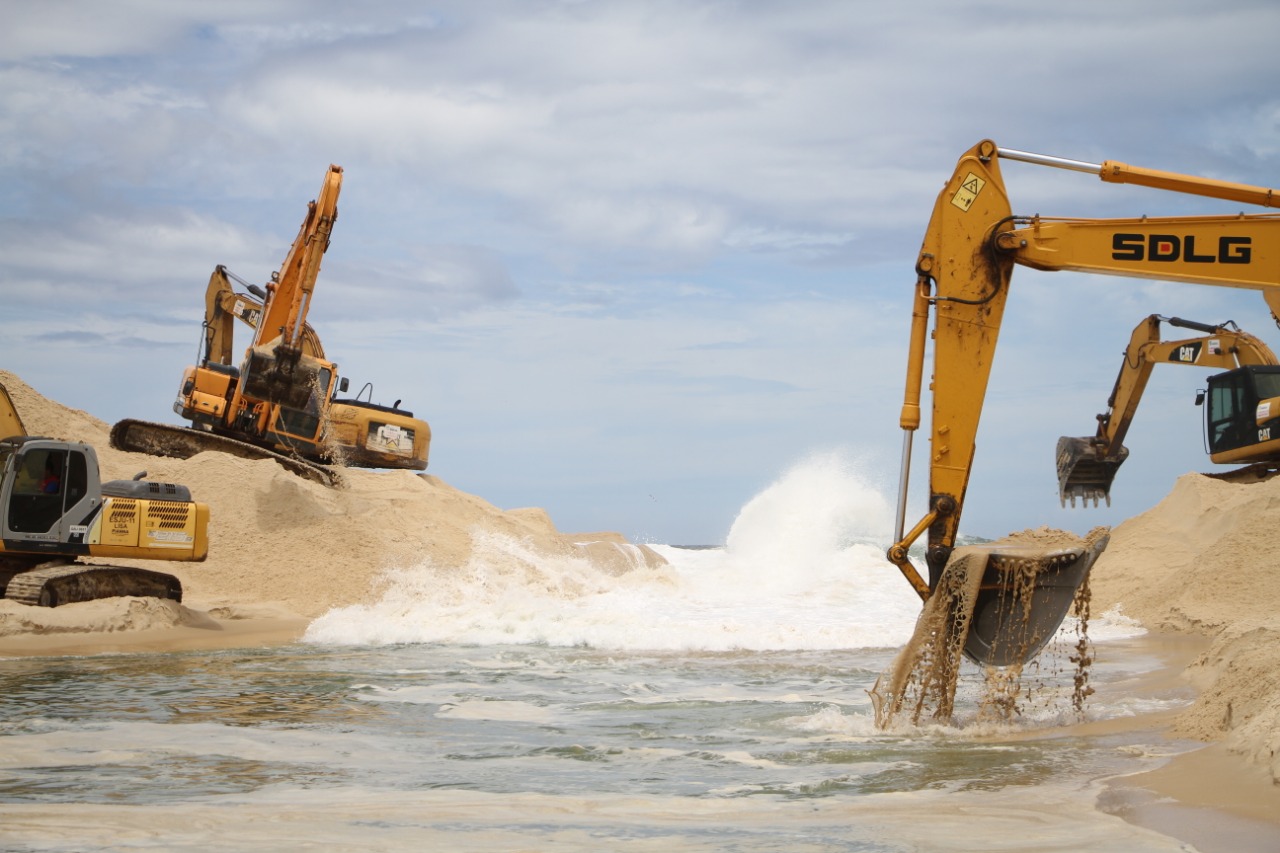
x=964, y=267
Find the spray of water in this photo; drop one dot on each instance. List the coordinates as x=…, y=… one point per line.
x=801, y=527
x=803, y=568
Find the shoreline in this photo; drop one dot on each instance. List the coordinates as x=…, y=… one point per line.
x=1206, y=795
x=210, y=634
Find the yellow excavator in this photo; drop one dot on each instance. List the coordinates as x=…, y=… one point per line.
x=280, y=402
x=54, y=511
x=963, y=272
x=1087, y=465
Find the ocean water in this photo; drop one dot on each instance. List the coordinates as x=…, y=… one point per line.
x=520, y=703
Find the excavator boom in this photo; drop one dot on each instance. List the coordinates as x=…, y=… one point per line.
x=289, y=296
x=276, y=369
x=224, y=305
x=963, y=272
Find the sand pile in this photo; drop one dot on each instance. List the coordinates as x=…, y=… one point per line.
x=107, y=615
x=293, y=547
x=1203, y=560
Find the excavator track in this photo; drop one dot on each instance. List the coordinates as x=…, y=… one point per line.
x=54, y=583
x=183, y=443
x=1255, y=473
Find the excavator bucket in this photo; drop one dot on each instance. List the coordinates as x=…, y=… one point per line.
x=284, y=375
x=1084, y=473
x=1025, y=593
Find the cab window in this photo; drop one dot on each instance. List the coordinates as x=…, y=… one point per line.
x=39, y=489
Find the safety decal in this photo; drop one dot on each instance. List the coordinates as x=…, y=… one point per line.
x=968, y=192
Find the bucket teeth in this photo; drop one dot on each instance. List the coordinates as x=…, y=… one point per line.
x=1084, y=473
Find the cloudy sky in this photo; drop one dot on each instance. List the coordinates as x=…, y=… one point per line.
x=631, y=260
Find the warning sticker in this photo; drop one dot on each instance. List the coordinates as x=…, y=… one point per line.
x=390, y=438
x=968, y=192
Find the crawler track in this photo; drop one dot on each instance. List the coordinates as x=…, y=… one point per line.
x=54, y=583
x=184, y=442
x=1255, y=473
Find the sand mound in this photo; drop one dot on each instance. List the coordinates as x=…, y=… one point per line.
x=294, y=546
x=105, y=616
x=1203, y=560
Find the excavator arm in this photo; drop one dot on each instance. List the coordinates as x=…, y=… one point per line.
x=963, y=273
x=276, y=369
x=964, y=283
x=289, y=296
x=1087, y=465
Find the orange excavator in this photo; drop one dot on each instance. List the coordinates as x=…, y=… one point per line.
x=1087, y=465
x=280, y=401
x=963, y=273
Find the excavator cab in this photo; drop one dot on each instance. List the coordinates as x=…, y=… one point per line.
x=44, y=481
x=1242, y=415
x=54, y=510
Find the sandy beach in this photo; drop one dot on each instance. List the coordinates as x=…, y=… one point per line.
x=1195, y=571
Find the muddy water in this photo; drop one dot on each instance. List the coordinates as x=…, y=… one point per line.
x=506, y=747
x=720, y=703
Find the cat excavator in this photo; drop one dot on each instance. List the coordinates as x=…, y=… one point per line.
x=280, y=401
x=1087, y=465
x=55, y=511
x=963, y=272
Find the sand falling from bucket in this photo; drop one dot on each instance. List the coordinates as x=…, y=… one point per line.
x=920, y=684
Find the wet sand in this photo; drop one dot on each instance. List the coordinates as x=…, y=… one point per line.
x=1207, y=796
x=217, y=635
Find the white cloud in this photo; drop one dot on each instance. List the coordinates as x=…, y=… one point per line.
x=608, y=248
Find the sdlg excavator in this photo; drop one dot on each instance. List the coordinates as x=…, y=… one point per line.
x=280, y=401
x=963, y=272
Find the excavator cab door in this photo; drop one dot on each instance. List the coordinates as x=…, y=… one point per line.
x=1242, y=417
x=45, y=485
